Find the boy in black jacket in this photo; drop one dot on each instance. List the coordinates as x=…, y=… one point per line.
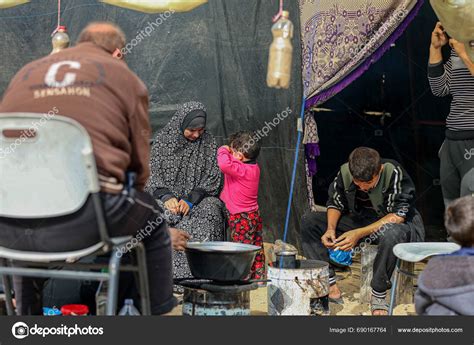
x=370, y=200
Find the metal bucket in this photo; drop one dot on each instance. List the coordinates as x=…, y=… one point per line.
x=295, y=291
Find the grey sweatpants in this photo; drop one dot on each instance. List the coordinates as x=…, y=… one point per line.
x=457, y=169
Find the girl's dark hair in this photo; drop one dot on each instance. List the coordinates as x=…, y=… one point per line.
x=364, y=164
x=459, y=220
x=246, y=143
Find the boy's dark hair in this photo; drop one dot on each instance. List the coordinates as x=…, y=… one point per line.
x=245, y=143
x=364, y=163
x=459, y=220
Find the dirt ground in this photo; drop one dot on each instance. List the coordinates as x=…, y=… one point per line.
x=349, y=283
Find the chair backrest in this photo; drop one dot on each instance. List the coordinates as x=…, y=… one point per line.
x=47, y=166
x=418, y=251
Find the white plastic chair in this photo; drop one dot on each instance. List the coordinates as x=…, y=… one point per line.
x=47, y=172
x=416, y=252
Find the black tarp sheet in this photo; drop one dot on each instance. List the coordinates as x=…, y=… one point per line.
x=216, y=54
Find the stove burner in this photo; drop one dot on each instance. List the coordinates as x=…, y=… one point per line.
x=213, y=298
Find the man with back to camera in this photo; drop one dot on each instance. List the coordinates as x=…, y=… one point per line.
x=90, y=84
x=371, y=198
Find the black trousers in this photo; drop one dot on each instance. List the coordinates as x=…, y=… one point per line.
x=456, y=169
x=314, y=225
x=126, y=214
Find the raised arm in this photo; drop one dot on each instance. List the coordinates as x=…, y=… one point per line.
x=438, y=73
x=460, y=49
x=228, y=164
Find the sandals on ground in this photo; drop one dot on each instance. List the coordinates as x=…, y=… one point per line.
x=378, y=304
x=339, y=300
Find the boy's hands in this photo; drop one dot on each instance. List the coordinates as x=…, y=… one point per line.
x=348, y=240
x=329, y=238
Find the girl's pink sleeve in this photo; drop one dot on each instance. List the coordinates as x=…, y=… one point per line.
x=228, y=164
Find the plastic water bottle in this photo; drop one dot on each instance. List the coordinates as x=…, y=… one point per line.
x=281, y=53
x=129, y=309
x=101, y=296
x=60, y=40
x=101, y=299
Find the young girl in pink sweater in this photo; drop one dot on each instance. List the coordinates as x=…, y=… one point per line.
x=241, y=178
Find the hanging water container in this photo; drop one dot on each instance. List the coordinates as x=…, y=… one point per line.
x=60, y=40
x=281, y=53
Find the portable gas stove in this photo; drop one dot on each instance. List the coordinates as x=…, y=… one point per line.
x=211, y=298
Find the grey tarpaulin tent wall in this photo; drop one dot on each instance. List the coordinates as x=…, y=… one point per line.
x=216, y=54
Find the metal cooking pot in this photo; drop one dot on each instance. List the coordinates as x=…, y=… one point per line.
x=286, y=259
x=220, y=261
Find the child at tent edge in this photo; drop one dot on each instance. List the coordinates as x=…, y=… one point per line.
x=241, y=172
x=446, y=285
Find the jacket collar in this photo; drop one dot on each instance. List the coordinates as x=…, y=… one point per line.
x=463, y=252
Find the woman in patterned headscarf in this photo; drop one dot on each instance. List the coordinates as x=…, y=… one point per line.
x=186, y=180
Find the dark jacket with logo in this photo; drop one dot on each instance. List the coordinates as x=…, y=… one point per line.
x=395, y=194
x=398, y=197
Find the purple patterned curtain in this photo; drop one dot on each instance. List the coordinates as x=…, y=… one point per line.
x=340, y=40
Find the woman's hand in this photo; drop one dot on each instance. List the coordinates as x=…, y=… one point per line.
x=172, y=205
x=438, y=37
x=179, y=239
x=183, y=207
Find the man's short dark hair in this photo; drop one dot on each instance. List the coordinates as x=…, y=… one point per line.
x=459, y=220
x=245, y=143
x=364, y=164
x=104, y=34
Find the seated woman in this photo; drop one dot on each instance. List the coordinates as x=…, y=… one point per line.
x=186, y=180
